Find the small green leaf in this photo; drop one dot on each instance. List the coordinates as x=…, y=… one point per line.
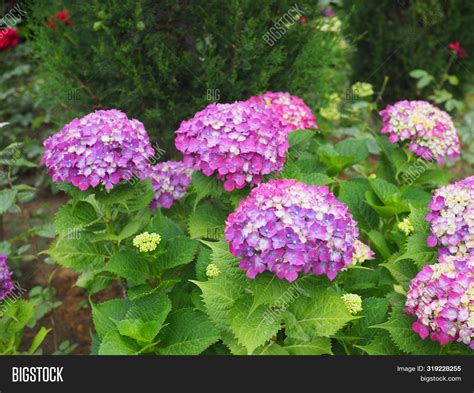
x=115, y=344
x=424, y=81
x=352, y=193
x=129, y=265
x=417, y=74
x=381, y=345
x=321, y=316
x=7, y=199
x=207, y=221
x=178, y=251
x=80, y=254
x=317, y=346
x=252, y=329
x=206, y=186
x=403, y=270
x=74, y=217
x=188, y=333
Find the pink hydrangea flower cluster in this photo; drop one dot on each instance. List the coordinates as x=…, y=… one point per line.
x=240, y=142
x=441, y=296
x=170, y=180
x=452, y=218
x=428, y=130
x=6, y=283
x=292, y=110
x=103, y=147
x=287, y=227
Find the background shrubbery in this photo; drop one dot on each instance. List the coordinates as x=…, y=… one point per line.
x=396, y=37
x=163, y=61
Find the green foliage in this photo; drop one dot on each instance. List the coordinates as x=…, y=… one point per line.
x=416, y=42
x=403, y=336
x=134, y=64
x=320, y=316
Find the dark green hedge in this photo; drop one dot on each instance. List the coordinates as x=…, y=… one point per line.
x=161, y=61
x=395, y=37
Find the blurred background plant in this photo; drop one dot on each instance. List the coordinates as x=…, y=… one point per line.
x=163, y=61
x=393, y=38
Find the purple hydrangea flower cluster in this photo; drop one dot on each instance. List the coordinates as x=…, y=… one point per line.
x=170, y=180
x=288, y=227
x=103, y=147
x=441, y=296
x=240, y=142
x=292, y=110
x=452, y=218
x=429, y=131
x=6, y=283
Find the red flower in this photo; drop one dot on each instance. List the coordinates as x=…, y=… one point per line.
x=303, y=20
x=63, y=16
x=456, y=47
x=8, y=39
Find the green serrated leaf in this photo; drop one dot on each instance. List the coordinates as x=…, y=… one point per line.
x=268, y=289
x=115, y=344
x=74, y=217
x=206, y=186
x=317, y=346
x=403, y=270
x=129, y=265
x=207, y=221
x=381, y=345
x=188, y=333
x=352, y=193
x=80, y=254
x=321, y=316
x=252, y=329
x=178, y=251
x=399, y=326
x=219, y=295
x=163, y=225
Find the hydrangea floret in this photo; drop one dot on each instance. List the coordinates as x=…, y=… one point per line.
x=212, y=270
x=6, y=283
x=406, y=226
x=239, y=142
x=170, y=180
x=103, y=147
x=353, y=302
x=428, y=131
x=147, y=242
x=288, y=227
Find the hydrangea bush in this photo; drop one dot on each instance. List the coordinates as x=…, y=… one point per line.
x=269, y=237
